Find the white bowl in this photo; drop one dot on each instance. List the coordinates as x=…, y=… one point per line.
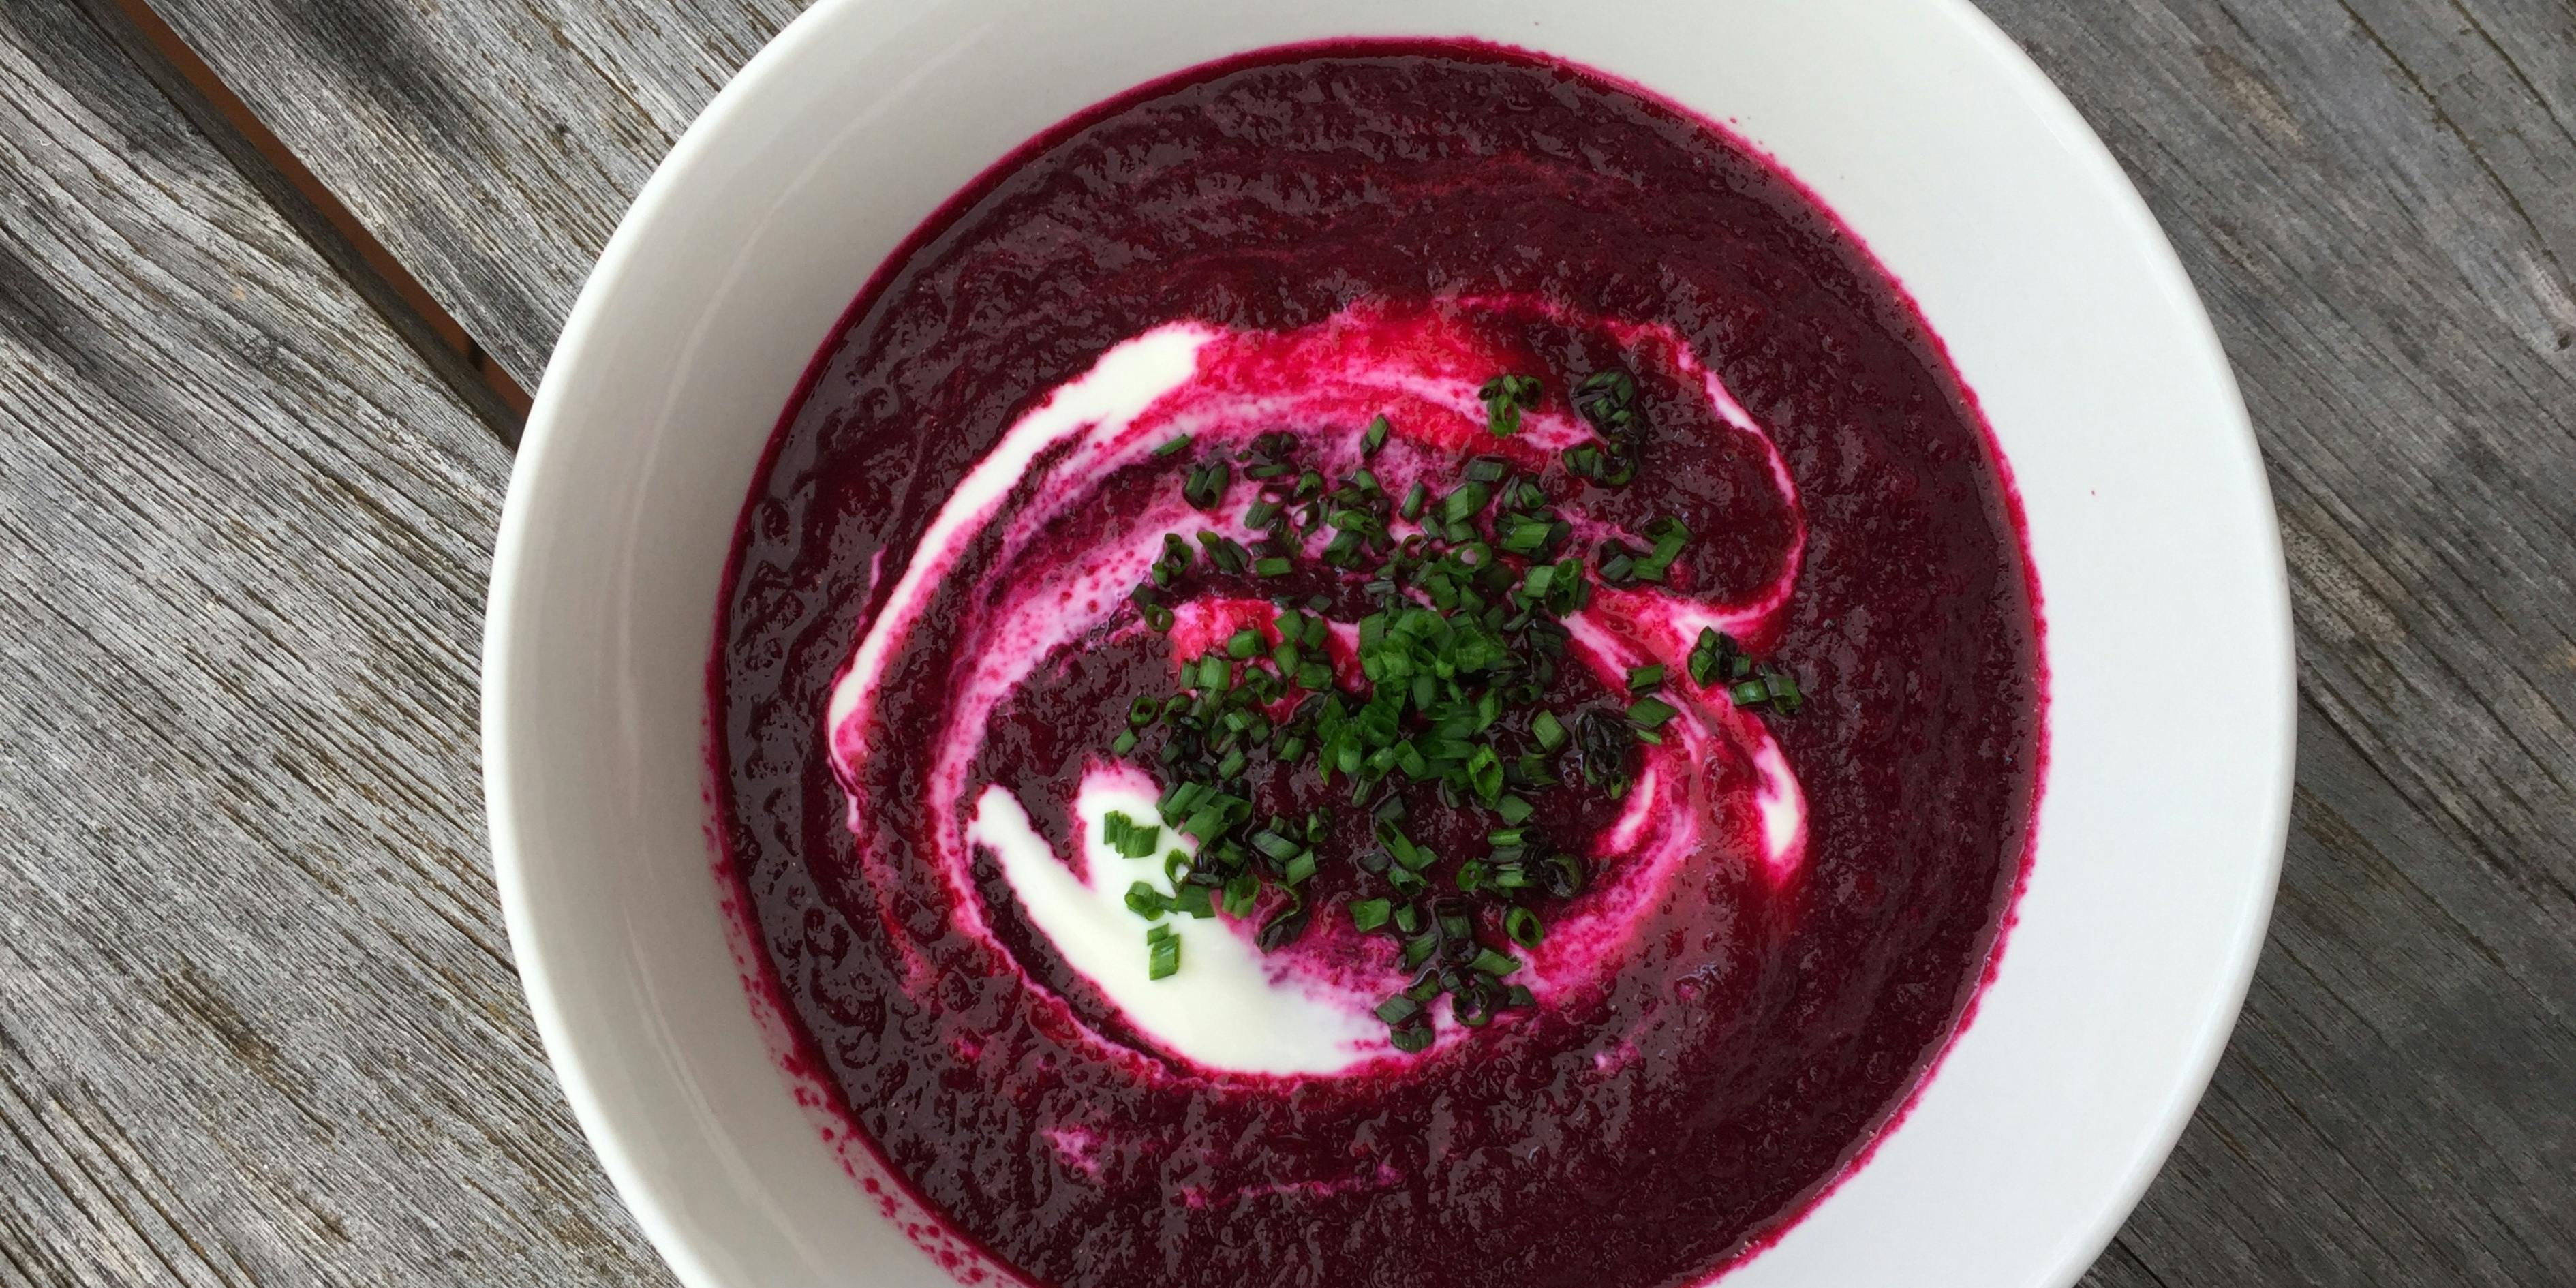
x=2168, y=624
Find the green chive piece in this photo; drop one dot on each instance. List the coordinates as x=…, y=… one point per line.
x=1163, y=955
x=1146, y=901
x=1270, y=567
x=1174, y=445
x=1485, y=774
x=1206, y=485
x=1494, y=963
x=1464, y=502
x=1505, y=397
x=1514, y=810
x=1243, y=643
x=1242, y=892
x=1703, y=657
x=1646, y=678
x=1549, y=731
x=1374, y=437
x=1524, y=928
x=1650, y=713
x=1785, y=697
x=1369, y=914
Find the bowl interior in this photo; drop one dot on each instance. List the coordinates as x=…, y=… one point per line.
x=2160, y=831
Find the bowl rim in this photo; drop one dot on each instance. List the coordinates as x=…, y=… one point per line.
x=588, y=326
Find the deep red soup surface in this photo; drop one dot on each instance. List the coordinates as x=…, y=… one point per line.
x=1664, y=1123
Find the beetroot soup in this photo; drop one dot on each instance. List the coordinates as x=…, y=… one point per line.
x=1382, y=664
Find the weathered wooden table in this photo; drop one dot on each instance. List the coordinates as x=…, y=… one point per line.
x=257, y=1018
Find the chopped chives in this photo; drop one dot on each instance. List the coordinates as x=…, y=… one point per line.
x=1549, y=731
x=1162, y=953
x=1505, y=397
x=1562, y=875
x=1464, y=501
x=1242, y=892
x=1785, y=697
x=1174, y=445
x=1206, y=485
x=1462, y=634
x=1706, y=654
x=1283, y=927
x=1650, y=713
x=1146, y=901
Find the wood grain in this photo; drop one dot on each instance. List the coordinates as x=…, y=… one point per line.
x=491, y=144
x=2377, y=202
x=257, y=1019
x=2377, y=198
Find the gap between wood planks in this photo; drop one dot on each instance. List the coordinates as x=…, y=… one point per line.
x=318, y=216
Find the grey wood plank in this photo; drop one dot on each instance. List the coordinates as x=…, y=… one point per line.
x=2356, y=192
x=2378, y=198
x=490, y=144
x=257, y=1019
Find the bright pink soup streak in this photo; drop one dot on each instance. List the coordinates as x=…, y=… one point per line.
x=1749, y=1054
